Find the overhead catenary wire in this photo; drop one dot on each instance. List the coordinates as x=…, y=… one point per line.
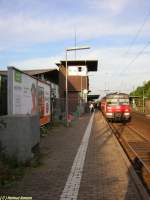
x=133, y=60
x=125, y=69
x=139, y=54
x=138, y=33
x=133, y=42
x=141, y=51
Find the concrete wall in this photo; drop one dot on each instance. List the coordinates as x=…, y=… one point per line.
x=18, y=135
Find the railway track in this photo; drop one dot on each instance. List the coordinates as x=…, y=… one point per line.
x=137, y=148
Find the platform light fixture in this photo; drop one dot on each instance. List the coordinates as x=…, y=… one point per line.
x=66, y=85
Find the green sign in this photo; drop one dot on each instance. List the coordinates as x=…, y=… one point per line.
x=18, y=77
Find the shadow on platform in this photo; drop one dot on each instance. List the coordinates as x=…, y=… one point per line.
x=138, y=166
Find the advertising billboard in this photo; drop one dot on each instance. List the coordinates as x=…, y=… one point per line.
x=44, y=102
x=28, y=96
x=24, y=93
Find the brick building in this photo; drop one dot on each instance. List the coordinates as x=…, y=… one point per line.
x=78, y=82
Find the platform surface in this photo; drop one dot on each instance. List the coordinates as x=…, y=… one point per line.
x=89, y=155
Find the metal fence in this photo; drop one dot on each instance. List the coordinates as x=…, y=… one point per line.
x=3, y=95
x=75, y=108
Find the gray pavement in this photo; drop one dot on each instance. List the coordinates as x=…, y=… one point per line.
x=105, y=175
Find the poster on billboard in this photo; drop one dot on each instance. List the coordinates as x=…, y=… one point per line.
x=24, y=93
x=44, y=102
x=28, y=96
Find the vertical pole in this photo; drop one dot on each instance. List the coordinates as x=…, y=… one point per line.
x=86, y=87
x=81, y=97
x=105, y=81
x=143, y=101
x=10, y=90
x=81, y=87
x=66, y=91
x=75, y=39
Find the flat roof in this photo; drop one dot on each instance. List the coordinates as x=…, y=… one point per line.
x=92, y=65
x=53, y=74
x=32, y=72
x=39, y=71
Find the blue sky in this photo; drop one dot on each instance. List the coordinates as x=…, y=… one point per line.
x=34, y=34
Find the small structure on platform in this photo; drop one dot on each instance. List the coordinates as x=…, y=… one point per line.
x=136, y=103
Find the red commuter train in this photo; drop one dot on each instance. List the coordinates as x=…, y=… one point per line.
x=116, y=107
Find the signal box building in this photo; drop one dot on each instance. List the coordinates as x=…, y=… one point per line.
x=78, y=83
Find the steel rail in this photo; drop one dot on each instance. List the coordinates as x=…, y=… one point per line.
x=116, y=132
x=139, y=134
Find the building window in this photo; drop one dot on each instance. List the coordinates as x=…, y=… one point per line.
x=79, y=69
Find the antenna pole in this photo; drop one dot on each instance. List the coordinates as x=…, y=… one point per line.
x=75, y=43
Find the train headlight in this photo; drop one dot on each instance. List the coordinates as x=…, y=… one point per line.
x=109, y=114
x=127, y=113
x=109, y=109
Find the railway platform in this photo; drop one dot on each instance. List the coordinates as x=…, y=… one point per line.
x=82, y=162
x=107, y=166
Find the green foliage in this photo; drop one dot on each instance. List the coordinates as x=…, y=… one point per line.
x=10, y=170
x=44, y=130
x=140, y=90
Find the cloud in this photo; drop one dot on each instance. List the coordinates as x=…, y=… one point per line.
x=33, y=23
x=25, y=29
x=113, y=6
x=26, y=25
x=21, y=31
x=37, y=63
x=111, y=62
x=36, y=22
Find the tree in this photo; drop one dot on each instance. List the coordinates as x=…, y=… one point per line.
x=140, y=90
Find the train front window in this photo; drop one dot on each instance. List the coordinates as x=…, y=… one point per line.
x=117, y=102
x=112, y=102
x=124, y=102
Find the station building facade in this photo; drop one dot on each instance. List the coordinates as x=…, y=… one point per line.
x=78, y=83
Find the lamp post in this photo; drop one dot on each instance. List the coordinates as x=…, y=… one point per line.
x=143, y=101
x=66, y=85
